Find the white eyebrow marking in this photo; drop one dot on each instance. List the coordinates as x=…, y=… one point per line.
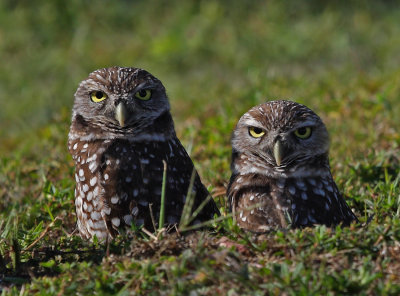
x=252, y=122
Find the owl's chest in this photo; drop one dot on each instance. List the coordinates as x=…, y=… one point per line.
x=133, y=167
x=288, y=192
x=146, y=157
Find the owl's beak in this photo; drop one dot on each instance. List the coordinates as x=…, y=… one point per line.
x=121, y=113
x=278, y=152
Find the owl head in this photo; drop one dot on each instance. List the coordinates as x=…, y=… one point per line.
x=279, y=138
x=116, y=102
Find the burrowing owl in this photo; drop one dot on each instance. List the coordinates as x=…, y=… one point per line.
x=280, y=170
x=121, y=133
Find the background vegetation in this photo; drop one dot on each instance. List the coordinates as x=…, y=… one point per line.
x=217, y=59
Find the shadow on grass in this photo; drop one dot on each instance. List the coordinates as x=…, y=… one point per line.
x=43, y=261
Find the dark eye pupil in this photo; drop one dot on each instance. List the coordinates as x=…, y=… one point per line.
x=257, y=130
x=302, y=131
x=99, y=94
x=142, y=93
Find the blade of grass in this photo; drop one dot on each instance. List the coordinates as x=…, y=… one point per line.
x=205, y=223
x=162, y=208
x=153, y=221
x=187, y=208
x=9, y=225
x=49, y=212
x=16, y=254
x=44, y=232
x=185, y=227
x=199, y=208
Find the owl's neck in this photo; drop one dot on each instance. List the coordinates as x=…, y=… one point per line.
x=161, y=128
x=243, y=164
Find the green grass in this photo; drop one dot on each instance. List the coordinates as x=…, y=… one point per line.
x=216, y=60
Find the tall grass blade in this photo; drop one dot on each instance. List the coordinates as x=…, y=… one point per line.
x=162, y=207
x=199, y=208
x=187, y=208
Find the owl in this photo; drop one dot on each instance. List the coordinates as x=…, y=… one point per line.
x=121, y=135
x=280, y=170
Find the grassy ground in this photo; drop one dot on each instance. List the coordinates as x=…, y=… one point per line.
x=216, y=59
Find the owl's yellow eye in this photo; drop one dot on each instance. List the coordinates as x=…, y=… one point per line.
x=303, y=132
x=256, y=132
x=97, y=96
x=143, y=94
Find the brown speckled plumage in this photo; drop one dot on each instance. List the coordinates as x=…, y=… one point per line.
x=119, y=166
x=277, y=185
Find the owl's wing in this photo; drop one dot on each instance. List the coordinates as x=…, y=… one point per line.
x=132, y=178
x=318, y=201
x=179, y=171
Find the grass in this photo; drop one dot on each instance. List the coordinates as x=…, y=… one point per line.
x=216, y=59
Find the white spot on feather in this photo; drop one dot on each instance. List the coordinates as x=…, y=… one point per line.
x=128, y=219
x=106, y=210
x=281, y=183
x=301, y=184
x=114, y=199
x=144, y=161
x=93, y=181
x=312, y=181
x=78, y=202
x=115, y=221
x=95, y=215
x=135, y=211
x=143, y=202
x=92, y=166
